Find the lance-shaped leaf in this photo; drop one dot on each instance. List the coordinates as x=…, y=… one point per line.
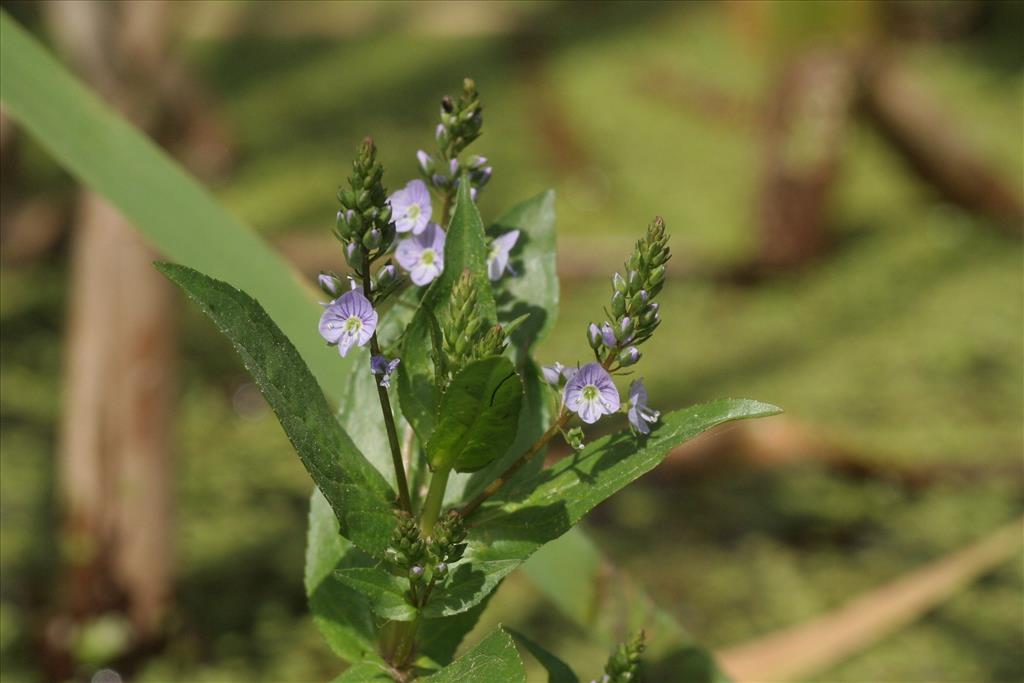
x=385, y=592
x=465, y=249
x=479, y=416
x=534, y=418
x=167, y=205
x=532, y=288
x=342, y=614
x=557, y=670
x=531, y=512
x=359, y=496
x=493, y=660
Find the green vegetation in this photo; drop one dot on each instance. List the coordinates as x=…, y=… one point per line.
x=904, y=346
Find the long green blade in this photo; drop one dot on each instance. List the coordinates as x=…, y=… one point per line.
x=169, y=207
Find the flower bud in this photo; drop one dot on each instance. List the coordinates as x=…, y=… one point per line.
x=624, y=332
x=657, y=275
x=330, y=285
x=608, y=335
x=594, y=336
x=618, y=304
x=453, y=167
x=618, y=283
x=373, y=239
x=416, y=571
x=386, y=276
x=477, y=161
x=629, y=356
x=637, y=301
x=634, y=281
x=441, y=569
x=426, y=162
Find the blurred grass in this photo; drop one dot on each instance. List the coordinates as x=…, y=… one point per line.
x=904, y=345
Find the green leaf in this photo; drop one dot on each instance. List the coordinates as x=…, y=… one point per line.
x=465, y=249
x=366, y=672
x=534, y=419
x=175, y=213
x=493, y=660
x=533, y=288
x=479, y=416
x=524, y=516
x=342, y=614
x=440, y=638
x=558, y=671
x=607, y=602
x=360, y=497
x=384, y=591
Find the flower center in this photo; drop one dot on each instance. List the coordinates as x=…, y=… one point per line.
x=353, y=324
x=494, y=253
x=427, y=257
x=590, y=393
x=413, y=211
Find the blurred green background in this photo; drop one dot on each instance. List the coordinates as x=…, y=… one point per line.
x=900, y=345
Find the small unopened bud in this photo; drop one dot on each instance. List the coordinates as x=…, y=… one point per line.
x=594, y=336
x=441, y=568
x=608, y=334
x=373, y=239
x=629, y=356
x=619, y=283
x=618, y=304
x=453, y=167
x=416, y=571
x=447, y=105
x=624, y=332
x=477, y=161
x=425, y=161
x=330, y=285
x=634, y=280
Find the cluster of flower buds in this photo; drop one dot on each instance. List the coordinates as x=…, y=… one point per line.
x=407, y=549
x=461, y=122
x=624, y=664
x=633, y=310
x=364, y=223
x=447, y=542
x=466, y=334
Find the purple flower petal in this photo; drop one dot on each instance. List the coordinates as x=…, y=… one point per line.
x=422, y=255
x=501, y=248
x=410, y=207
x=591, y=393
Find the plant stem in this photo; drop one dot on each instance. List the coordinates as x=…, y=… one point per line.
x=398, y=641
x=563, y=417
x=435, y=498
x=385, y=406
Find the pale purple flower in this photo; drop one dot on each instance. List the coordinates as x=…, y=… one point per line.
x=379, y=365
x=411, y=208
x=422, y=255
x=350, y=319
x=639, y=414
x=497, y=259
x=591, y=393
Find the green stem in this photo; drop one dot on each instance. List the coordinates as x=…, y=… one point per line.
x=398, y=642
x=434, y=500
x=385, y=406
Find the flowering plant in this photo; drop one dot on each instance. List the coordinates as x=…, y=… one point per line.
x=431, y=482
